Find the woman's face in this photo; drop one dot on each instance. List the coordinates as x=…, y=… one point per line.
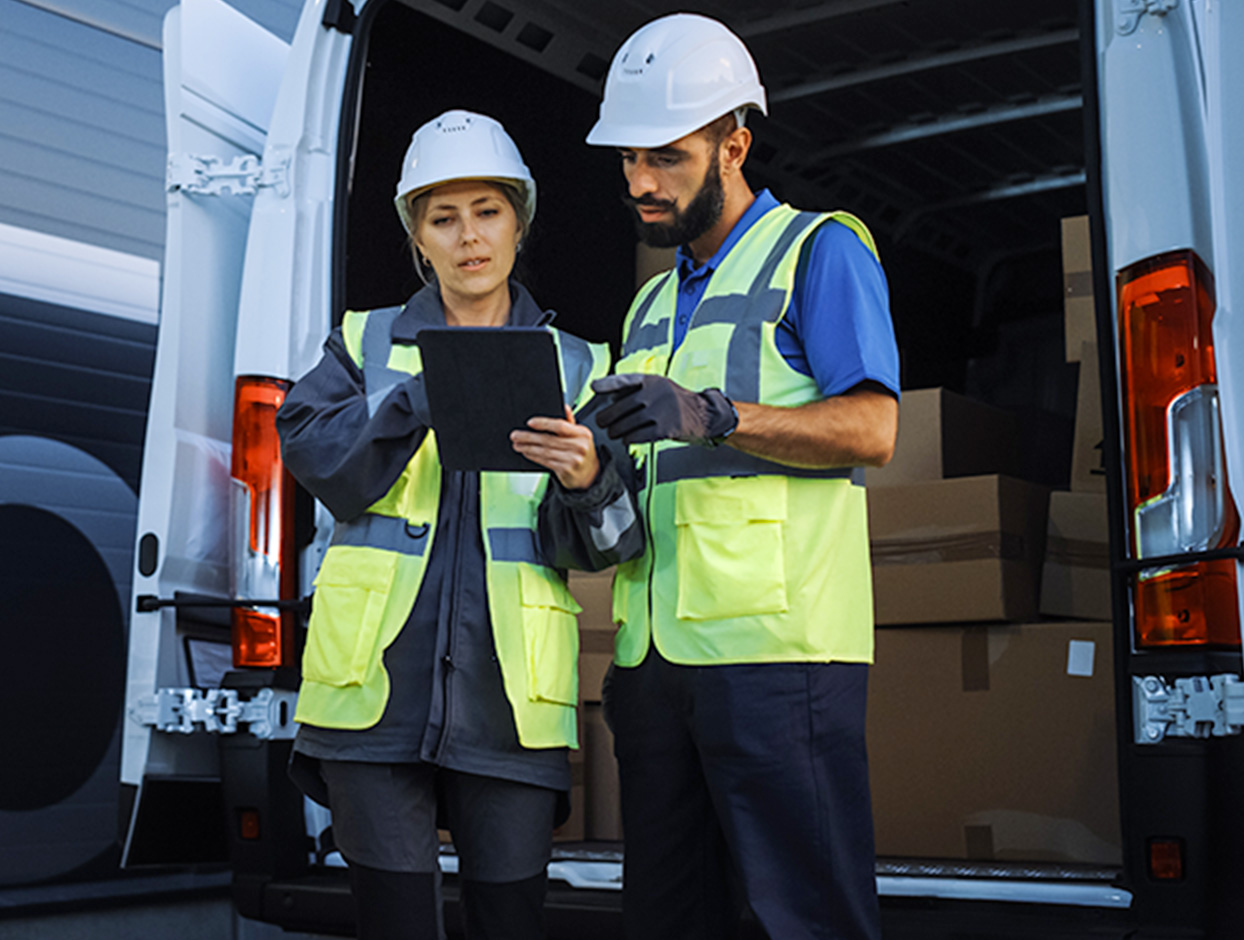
x=469, y=233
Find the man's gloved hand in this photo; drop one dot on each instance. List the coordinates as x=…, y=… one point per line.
x=652, y=408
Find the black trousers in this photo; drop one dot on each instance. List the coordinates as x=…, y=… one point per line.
x=744, y=783
x=384, y=823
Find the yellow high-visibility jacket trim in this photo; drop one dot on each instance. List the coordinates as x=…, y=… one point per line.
x=365, y=592
x=747, y=561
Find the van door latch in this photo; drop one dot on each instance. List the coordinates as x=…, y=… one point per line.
x=268, y=714
x=1196, y=707
x=210, y=176
x=1130, y=11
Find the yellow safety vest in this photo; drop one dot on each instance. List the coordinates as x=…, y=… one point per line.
x=370, y=576
x=747, y=561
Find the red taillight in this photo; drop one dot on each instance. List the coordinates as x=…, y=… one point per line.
x=248, y=824
x=263, y=562
x=1177, y=494
x=1194, y=605
x=1166, y=859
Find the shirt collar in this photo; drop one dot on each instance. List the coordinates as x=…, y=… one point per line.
x=425, y=309
x=687, y=267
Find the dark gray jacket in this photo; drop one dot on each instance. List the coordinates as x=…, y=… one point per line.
x=447, y=704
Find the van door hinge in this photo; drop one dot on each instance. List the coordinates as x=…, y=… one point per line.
x=269, y=714
x=1197, y=707
x=241, y=176
x=1129, y=13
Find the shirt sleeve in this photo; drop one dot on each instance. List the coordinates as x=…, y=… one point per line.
x=345, y=451
x=838, y=328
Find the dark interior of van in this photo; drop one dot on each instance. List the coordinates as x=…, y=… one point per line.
x=959, y=141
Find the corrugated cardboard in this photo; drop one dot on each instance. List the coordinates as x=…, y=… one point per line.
x=604, y=795
x=955, y=551
x=1088, y=466
x=1075, y=581
x=942, y=434
x=1079, y=321
x=594, y=592
x=995, y=743
x=574, y=828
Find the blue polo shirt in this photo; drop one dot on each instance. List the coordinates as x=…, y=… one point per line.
x=837, y=328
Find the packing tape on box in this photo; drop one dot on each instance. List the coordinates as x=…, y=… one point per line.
x=1078, y=284
x=974, y=546
x=1077, y=553
x=975, y=659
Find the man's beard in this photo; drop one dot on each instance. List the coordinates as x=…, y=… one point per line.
x=702, y=213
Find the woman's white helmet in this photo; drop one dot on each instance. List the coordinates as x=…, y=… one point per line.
x=672, y=77
x=462, y=145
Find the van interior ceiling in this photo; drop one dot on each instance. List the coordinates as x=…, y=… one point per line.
x=955, y=130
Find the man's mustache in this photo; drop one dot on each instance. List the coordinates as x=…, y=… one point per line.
x=648, y=201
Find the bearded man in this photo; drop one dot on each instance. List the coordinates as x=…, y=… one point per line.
x=757, y=379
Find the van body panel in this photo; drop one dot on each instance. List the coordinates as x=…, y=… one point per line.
x=214, y=108
x=1222, y=25
x=1155, y=170
x=284, y=312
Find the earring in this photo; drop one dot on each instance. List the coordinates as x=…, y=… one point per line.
x=423, y=260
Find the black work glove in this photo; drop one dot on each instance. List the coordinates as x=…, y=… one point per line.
x=647, y=408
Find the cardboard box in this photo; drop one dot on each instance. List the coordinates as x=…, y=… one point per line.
x=1075, y=581
x=1079, y=318
x=1088, y=466
x=604, y=793
x=956, y=551
x=594, y=592
x=995, y=743
x=574, y=828
x=942, y=434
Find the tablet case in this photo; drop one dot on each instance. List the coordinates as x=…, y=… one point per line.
x=484, y=382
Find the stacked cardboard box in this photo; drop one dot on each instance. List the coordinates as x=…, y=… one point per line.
x=574, y=828
x=942, y=434
x=1076, y=579
x=957, y=551
x=1009, y=732
x=594, y=592
x=599, y=794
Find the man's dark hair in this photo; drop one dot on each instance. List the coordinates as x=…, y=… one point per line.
x=721, y=128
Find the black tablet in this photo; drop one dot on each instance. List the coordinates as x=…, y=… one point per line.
x=483, y=383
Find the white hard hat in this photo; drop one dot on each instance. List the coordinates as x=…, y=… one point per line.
x=462, y=145
x=672, y=77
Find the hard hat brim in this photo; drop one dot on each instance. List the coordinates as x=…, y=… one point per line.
x=526, y=187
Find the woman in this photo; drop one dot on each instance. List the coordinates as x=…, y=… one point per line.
x=439, y=673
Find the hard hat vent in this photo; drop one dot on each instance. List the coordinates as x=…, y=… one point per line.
x=462, y=145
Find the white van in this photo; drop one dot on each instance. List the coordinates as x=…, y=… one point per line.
x=962, y=131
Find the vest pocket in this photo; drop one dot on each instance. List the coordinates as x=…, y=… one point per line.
x=731, y=547
x=347, y=613
x=550, y=636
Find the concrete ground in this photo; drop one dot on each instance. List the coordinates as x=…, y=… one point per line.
x=176, y=907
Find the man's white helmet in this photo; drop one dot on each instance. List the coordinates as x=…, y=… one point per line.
x=462, y=145
x=672, y=77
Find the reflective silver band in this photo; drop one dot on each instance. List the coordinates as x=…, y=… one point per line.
x=691, y=462
x=387, y=533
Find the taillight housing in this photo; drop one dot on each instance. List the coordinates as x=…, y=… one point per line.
x=1178, y=497
x=263, y=562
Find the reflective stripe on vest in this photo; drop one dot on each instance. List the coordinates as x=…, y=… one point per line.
x=748, y=560
x=373, y=569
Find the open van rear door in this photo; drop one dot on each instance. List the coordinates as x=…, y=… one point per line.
x=221, y=75
x=1170, y=291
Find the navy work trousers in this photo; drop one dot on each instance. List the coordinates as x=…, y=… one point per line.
x=744, y=775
